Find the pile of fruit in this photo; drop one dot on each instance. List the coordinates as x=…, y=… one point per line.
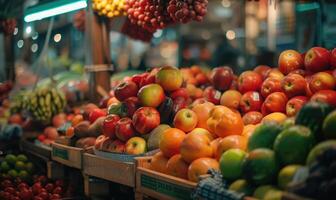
x=109, y=8
x=151, y=15
x=16, y=166
x=41, y=189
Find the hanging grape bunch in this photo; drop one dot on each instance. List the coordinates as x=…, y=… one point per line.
x=7, y=26
x=149, y=14
x=136, y=32
x=184, y=11
x=109, y=8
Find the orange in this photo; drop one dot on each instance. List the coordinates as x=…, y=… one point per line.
x=223, y=122
x=202, y=111
x=230, y=142
x=231, y=99
x=177, y=167
x=276, y=117
x=203, y=131
x=171, y=141
x=214, y=144
x=70, y=132
x=77, y=119
x=248, y=130
x=200, y=167
x=159, y=163
x=195, y=146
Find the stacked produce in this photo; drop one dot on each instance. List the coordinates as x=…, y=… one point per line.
x=109, y=8
x=16, y=166
x=41, y=189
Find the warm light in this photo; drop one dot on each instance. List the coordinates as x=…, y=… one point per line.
x=158, y=33
x=35, y=36
x=20, y=44
x=28, y=29
x=226, y=3
x=55, y=11
x=57, y=37
x=230, y=35
x=34, y=48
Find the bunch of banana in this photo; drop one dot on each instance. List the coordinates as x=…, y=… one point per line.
x=109, y=8
x=44, y=103
x=19, y=102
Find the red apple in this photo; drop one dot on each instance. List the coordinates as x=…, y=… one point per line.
x=125, y=90
x=333, y=58
x=269, y=86
x=275, y=102
x=136, y=146
x=326, y=96
x=131, y=104
x=185, y=120
x=249, y=81
x=137, y=78
x=262, y=70
x=148, y=78
x=170, y=78
x=37, y=188
x=26, y=194
x=252, y=117
x=22, y=186
x=179, y=103
x=212, y=95
x=317, y=59
x=55, y=197
x=295, y=104
x=99, y=142
x=289, y=61
x=151, y=95
x=96, y=113
x=275, y=73
x=250, y=101
x=57, y=190
x=221, y=78
x=322, y=81
x=146, y=119
x=181, y=92
x=294, y=85
x=51, y=132
x=109, y=125
x=117, y=146
x=49, y=187
x=124, y=129
x=15, y=119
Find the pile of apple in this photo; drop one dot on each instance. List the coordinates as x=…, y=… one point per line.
x=142, y=102
x=42, y=189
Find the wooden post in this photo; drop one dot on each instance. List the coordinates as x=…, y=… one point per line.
x=98, y=53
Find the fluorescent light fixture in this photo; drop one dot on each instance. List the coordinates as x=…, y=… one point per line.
x=54, y=8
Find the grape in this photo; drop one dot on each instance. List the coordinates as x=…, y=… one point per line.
x=184, y=11
x=136, y=32
x=148, y=14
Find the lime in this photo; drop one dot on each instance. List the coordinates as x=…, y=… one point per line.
x=23, y=174
x=260, y=166
x=273, y=195
x=261, y=191
x=241, y=186
x=29, y=167
x=231, y=163
x=293, y=145
x=19, y=165
x=22, y=158
x=264, y=136
x=319, y=149
x=4, y=166
x=286, y=175
x=288, y=122
x=11, y=159
x=329, y=126
x=12, y=173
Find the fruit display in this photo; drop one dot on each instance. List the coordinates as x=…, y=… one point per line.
x=16, y=166
x=109, y=8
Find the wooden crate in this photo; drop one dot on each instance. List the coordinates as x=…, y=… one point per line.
x=37, y=150
x=95, y=187
x=108, y=169
x=67, y=155
x=158, y=185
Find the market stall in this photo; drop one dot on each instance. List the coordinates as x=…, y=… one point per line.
x=126, y=99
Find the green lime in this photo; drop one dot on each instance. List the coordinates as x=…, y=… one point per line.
x=261, y=191
x=4, y=166
x=273, y=195
x=11, y=159
x=22, y=158
x=231, y=163
x=319, y=149
x=260, y=166
x=241, y=186
x=12, y=173
x=23, y=174
x=19, y=165
x=329, y=126
x=286, y=175
x=29, y=167
x=292, y=145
